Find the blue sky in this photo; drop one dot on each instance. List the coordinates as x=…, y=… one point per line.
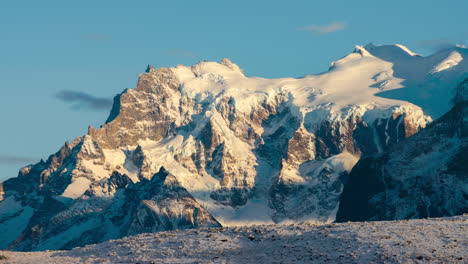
x=53, y=52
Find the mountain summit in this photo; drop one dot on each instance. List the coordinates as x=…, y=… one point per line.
x=205, y=145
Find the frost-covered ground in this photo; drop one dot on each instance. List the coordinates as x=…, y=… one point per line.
x=437, y=240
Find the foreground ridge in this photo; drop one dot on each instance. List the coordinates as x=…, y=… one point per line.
x=437, y=240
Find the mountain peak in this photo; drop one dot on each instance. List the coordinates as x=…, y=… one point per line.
x=369, y=45
x=225, y=68
x=361, y=50
x=195, y=146
x=389, y=52
x=228, y=63
x=150, y=68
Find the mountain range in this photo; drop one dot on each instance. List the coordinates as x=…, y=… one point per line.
x=381, y=135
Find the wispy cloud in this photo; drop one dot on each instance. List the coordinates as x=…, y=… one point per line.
x=436, y=44
x=325, y=29
x=81, y=100
x=11, y=159
x=180, y=53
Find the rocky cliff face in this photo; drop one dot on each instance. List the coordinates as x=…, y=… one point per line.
x=110, y=208
x=423, y=176
x=205, y=145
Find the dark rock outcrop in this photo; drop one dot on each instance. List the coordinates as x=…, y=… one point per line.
x=423, y=176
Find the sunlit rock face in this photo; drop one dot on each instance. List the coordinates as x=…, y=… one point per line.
x=204, y=145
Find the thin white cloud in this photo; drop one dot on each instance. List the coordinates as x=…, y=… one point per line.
x=436, y=44
x=325, y=29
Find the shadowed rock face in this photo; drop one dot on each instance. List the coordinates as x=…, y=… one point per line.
x=461, y=92
x=165, y=160
x=147, y=206
x=310, y=173
x=426, y=175
x=162, y=204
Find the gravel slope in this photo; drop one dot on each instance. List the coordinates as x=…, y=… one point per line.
x=436, y=240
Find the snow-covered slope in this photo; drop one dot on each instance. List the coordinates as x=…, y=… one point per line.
x=425, y=175
x=438, y=240
x=428, y=82
x=238, y=149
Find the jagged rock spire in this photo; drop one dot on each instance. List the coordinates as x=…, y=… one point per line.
x=150, y=68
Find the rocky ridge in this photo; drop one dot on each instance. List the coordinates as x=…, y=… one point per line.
x=436, y=240
x=206, y=146
x=424, y=176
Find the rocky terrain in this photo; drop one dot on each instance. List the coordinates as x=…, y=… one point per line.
x=438, y=240
x=206, y=146
x=424, y=176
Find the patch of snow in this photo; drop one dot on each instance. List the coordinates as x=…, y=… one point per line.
x=117, y=160
x=451, y=61
x=75, y=189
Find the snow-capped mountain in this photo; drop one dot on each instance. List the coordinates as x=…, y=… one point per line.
x=424, y=176
x=428, y=82
x=205, y=145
